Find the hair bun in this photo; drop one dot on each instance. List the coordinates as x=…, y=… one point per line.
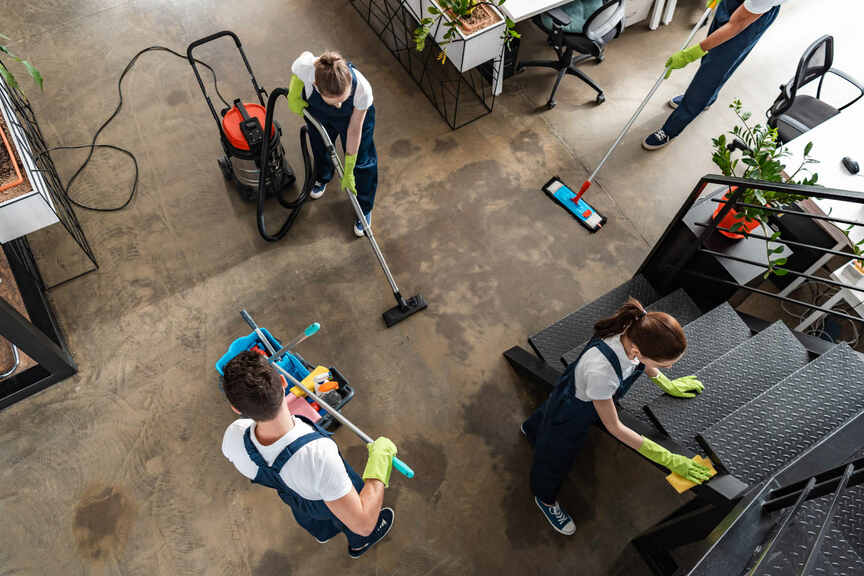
x=330, y=59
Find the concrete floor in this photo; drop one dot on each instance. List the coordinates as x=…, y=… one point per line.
x=118, y=470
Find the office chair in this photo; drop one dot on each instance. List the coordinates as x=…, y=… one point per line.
x=792, y=114
x=602, y=26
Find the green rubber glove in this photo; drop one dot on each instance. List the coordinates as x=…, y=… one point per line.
x=684, y=57
x=686, y=387
x=681, y=465
x=380, y=462
x=296, y=102
x=348, y=178
x=711, y=4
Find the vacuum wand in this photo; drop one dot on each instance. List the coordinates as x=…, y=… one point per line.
x=587, y=183
x=397, y=463
x=309, y=331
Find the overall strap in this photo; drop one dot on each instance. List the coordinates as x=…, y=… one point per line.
x=293, y=447
x=611, y=357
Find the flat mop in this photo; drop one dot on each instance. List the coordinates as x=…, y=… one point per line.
x=398, y=464
x=574, y=203
x=404, y=308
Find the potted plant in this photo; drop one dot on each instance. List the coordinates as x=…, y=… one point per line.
x=469, y=32
x=8, y=76
x=760, y=159
x=10, y=173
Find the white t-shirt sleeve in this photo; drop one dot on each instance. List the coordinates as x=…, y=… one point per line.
x=321, y=474
x=363, y=92
x=599, y=385
x=234, y=449
x=760, y=6
x=304, y=68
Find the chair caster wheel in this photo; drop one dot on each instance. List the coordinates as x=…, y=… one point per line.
x=600, y=98
x=599, y=59
x=551, y=104
x=519, y=70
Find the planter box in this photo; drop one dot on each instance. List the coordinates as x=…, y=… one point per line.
x=467, y=52
x=416, y=7
x=33, y=209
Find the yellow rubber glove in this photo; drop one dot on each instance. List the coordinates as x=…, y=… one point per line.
x=686, y=387
x=348, y=177
x=684, y=57
x=380, y=462
x=681, y=465
x=296, y=102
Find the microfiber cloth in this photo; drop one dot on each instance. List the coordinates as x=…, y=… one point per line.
x=682, y=485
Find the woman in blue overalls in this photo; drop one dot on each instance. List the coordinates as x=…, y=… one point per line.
x=340, y=98
x=624, y=346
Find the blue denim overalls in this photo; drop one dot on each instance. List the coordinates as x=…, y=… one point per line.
x=335, y=121
x=313, y=515
x=717, y=66
x=559, y=427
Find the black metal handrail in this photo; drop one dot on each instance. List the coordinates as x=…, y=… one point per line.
x=681, y=258
x=802, y=497
x=817, y=544
x=826, y=483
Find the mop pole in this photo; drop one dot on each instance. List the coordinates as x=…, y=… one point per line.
x=397, y=463
x=587, y=183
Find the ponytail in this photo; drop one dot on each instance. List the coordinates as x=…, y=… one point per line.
x=332, y=76
x=657, y=334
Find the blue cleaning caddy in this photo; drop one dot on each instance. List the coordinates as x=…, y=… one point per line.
x=294, y=364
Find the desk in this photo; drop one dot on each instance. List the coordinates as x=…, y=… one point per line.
x=832, y=140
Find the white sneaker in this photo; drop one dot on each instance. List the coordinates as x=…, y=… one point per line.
x=358, y=228
x=317, y=190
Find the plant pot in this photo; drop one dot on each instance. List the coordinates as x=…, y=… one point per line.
x=470, y=47
x=10, y=173
x=732, y=218
x=858, y=266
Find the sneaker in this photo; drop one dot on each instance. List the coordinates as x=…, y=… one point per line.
x=385, y=523
x=559, y=519
x=522, y=429
x=657, y=140
x=676, y=100
x=358, y=228
x=320, y=541
x=317, y=190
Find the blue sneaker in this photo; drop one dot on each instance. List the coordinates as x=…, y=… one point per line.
x=559, y=519
x=657, y=140
x=358, y=228
x=675, y=101
x=317, y=190
x=385, y=523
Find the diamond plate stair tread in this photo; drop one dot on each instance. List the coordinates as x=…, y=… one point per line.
x=731, y=381
x=708, y=337
x=838, y=554
x=785, y=420
x=676, y=303
x=556, y=339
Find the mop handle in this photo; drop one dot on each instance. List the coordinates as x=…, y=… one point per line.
x=334, y=157
x=397, y=463
x=309, y=331
x=630, y=122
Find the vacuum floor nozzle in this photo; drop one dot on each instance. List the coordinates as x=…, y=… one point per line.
x=403, y=310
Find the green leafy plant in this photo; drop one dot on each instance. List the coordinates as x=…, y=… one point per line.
x=8, y=76
x=760, y=159
x=857, y=249
x=456, y=11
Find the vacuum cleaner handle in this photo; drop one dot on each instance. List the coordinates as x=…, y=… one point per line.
x=403, y=468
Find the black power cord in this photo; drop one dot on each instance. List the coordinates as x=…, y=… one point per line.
x=93, y=145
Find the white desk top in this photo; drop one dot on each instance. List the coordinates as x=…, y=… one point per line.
x=832, y=140
x=518, y=10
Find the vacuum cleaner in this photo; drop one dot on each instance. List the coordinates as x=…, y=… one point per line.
x=256, y=176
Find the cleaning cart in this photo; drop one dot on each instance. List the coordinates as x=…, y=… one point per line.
x=297, y=366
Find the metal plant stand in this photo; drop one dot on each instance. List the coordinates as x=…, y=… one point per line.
x=460, y=97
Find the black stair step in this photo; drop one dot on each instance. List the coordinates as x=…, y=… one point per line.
x=785, y=420
x=708, y=337
x=730, y=381
x=556, y=339
x=676, y=303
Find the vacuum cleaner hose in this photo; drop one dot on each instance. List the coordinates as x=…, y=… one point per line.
x=264, y=164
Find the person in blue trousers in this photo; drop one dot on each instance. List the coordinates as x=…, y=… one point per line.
x=340, y=98
x=297, y=458
x=624, y=346
x=738, y=25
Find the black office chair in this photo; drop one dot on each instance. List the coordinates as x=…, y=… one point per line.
x=601, y=27
x=792, y=114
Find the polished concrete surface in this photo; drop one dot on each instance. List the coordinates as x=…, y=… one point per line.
x=118, y=470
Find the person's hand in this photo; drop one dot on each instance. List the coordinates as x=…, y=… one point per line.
x=684, y=57
x=686, y=387
x=380, y=462
x=348, y=177
x=677, y=463
x=296, y=102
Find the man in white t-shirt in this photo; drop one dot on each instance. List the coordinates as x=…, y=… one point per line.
x=272, y=447
x=738, y=25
